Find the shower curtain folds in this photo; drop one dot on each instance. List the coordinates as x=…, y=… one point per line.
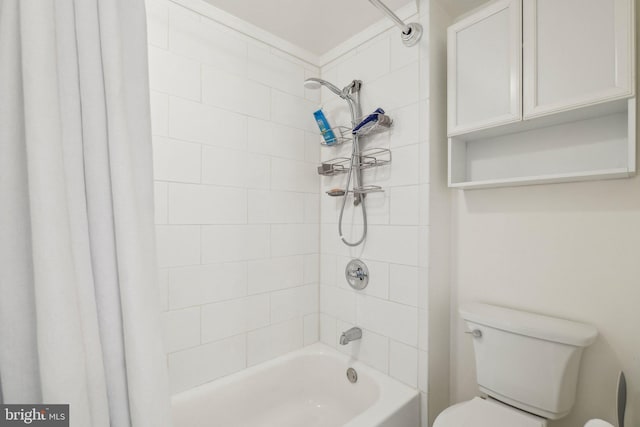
x=79, y=305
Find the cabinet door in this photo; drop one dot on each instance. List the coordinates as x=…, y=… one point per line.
x=576, y=53
x=484, y=68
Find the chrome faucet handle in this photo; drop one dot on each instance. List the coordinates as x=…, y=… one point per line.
x=357, y=274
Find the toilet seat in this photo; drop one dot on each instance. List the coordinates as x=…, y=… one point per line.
x=479, y=412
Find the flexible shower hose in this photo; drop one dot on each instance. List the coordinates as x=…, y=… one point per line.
x=355, y=158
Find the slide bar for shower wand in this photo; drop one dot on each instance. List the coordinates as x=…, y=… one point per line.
x=411, y=33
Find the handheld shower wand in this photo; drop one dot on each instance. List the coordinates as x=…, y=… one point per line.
x=351, y=94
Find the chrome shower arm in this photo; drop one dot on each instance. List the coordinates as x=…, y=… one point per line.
x=399, y=22
x=411, y=33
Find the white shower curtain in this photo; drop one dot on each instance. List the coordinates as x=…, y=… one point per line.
x=79, y=310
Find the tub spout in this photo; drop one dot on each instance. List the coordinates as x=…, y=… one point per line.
x=350, y=335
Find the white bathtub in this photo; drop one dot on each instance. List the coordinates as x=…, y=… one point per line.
x=305, y=388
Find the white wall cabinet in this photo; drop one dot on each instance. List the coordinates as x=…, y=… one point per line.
x=542, y=91
x=484, y=62
x=576, y=53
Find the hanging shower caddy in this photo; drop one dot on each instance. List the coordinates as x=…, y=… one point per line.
x=369, y=158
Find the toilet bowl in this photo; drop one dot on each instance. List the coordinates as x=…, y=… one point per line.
x=526, y=364
x=479, y=412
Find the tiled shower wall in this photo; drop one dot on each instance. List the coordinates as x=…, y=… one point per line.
x=237, y=196
x=392, y=310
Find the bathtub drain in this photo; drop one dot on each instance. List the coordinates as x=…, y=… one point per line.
x=352, y=375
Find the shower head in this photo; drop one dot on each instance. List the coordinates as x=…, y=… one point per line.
x=315, y=83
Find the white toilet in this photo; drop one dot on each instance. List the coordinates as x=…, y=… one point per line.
x=526, y=364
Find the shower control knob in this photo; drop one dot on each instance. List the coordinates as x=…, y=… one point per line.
x=357, y=274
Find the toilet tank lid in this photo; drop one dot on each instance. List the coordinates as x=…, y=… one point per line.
x=530, y=324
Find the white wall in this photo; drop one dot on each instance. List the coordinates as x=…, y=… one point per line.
x=392, y=310
x=565, y=250
x=236, y=194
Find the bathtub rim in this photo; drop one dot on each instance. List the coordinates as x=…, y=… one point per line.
x=393, y=394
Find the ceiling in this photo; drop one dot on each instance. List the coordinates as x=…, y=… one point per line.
x=320, y=25
x=314, y=25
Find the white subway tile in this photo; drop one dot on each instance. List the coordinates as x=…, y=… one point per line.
x=368, y=64
x=425, y=163
x=397, y=321
x=294, y=302
x=372, y=348
x=273, y=341
x=423, y=330
x=377, y=205
x=423, y=287
x=406, y=126
x=405, y=169
x=206, y=41
x=311, y=268
x=328, y=330
x=288, y=175
x=395, y=244
x=312, y=147
x=424, y=125
x=234, y=168
x=228, y=243
x=423, y=371
x=192, y=121
x=311, y=329
x=173, y=74
x=404, y=284
x=175, y=160
x=400, y=55
x=159, y=113
x=178, y=245
x=405, y=205
x=160, y=202
x=202, y=284
x=425, y=79
x=292, y=111
x=311, y=208
x=423, y=246
x=273, y=139
x=396, y=89
x=275, y=273
x=403, y=363
x=276, y=207
x=329, y=239
x=294, y=239
x=328, y=269
x=424, y=210
x=206, y=204
x=163, y=288
x=157, y=23
x=338, y=303
x=228, y=318
x=181, y=329
x=274, y=71
x=235, y=93
x=189, y=368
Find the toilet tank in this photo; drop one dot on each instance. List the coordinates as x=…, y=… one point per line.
x=527, y=360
